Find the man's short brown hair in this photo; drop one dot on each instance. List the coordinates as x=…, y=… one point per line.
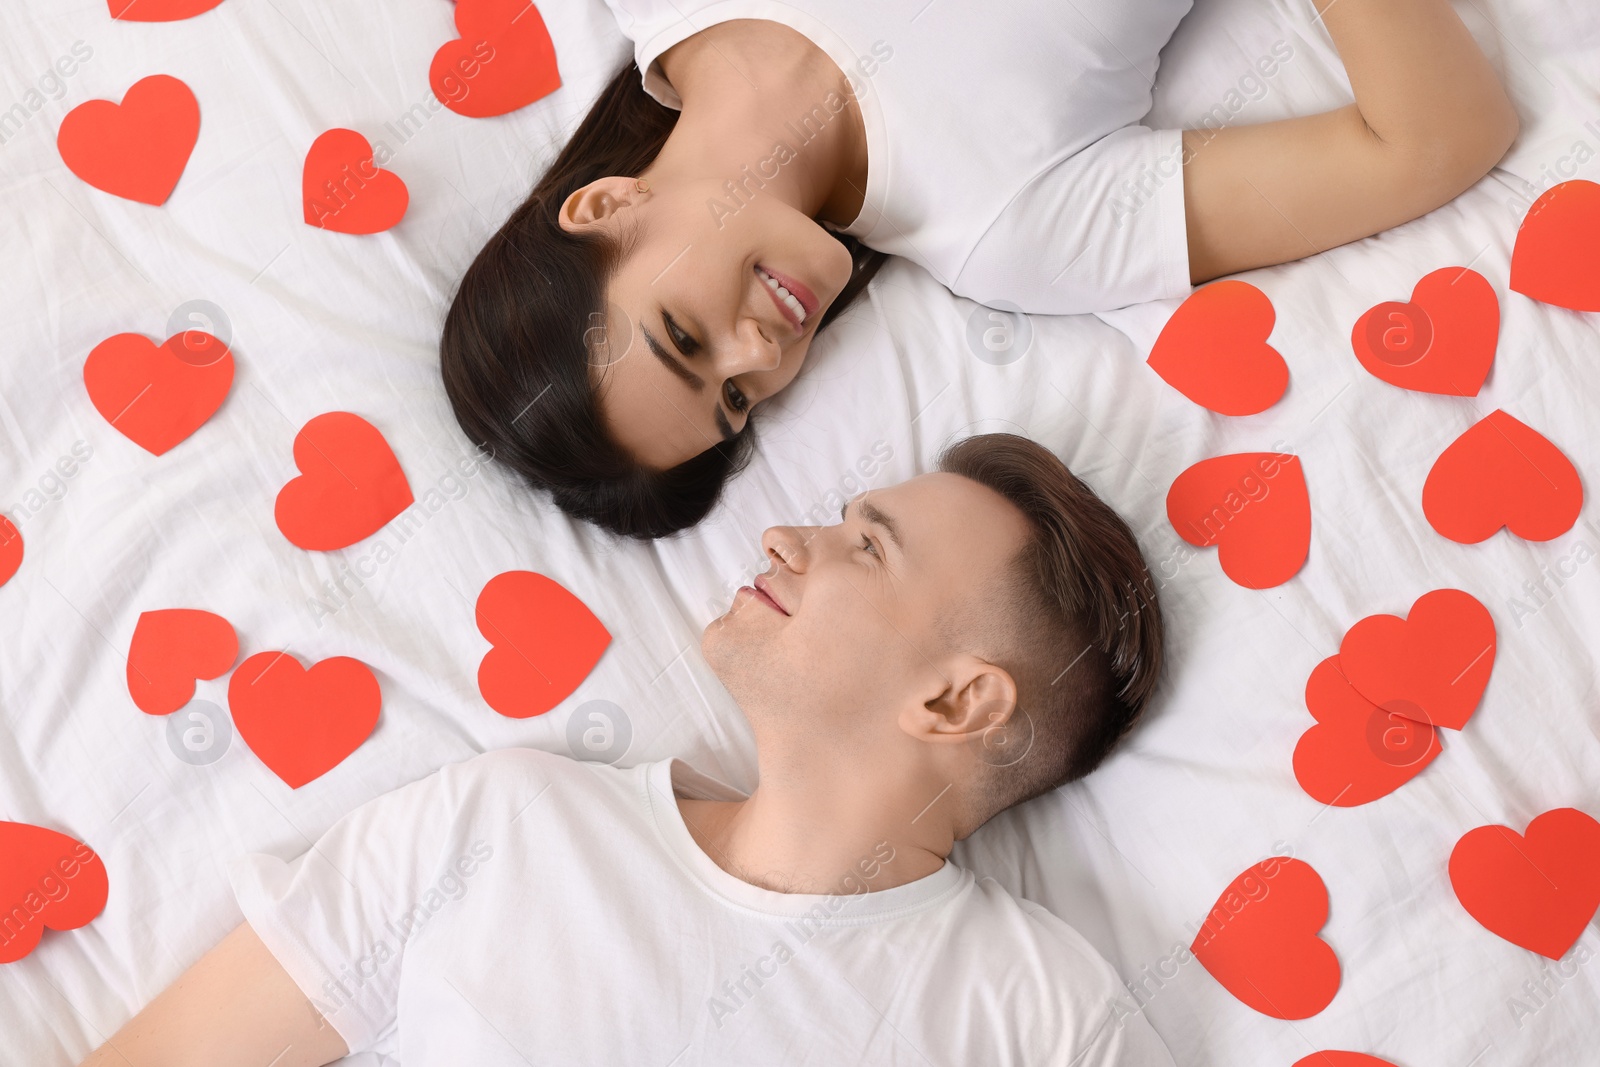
x=1083, y=629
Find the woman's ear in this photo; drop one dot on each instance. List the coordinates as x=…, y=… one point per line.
x=594, y=204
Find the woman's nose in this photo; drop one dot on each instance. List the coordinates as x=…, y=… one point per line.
x=752, y=351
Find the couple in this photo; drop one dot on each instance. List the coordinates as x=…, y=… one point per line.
x=955, y=645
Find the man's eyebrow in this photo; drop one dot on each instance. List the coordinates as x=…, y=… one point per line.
x=876, y=517
x=695, y=381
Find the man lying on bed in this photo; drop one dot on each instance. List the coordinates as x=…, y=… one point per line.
x=957, y=644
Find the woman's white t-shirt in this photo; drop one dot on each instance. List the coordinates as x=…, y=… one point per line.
x=522, y=907
x=1004, y=151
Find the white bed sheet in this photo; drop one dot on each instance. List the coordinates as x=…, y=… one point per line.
x=1133, y=857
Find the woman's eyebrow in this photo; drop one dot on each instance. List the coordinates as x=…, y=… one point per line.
x=673, y=364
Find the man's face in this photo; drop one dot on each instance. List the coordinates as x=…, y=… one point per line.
x=853, y=623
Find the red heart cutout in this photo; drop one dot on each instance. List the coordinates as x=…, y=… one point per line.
x=1358, y=751
x=1443, y=341
x=10, y=549
x=1260, y=940
x=1556, y=259
x=1431, y=666
x=137, y=149
x=159, y=10
x=344, y=191
x=350, y=484
x=545, y=642
x=156, y=396
x=1262, y=538
x=303, y=723
x=170, y=649
x=1341, y=1059
x=503, y=60
x=1502, y=473
x=47, y=879
x=1539, y=889
x=1214, y=350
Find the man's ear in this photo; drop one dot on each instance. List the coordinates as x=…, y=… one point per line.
x=593, y=205
x=977, y=697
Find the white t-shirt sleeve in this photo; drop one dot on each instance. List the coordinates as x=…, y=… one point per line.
x=1123, y=1038
x=336, y=916
x=1102, y=229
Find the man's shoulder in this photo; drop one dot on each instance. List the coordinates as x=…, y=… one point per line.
x=1040, y=940
x=520, y=768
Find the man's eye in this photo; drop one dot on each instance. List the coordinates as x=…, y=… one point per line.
x=736, y=399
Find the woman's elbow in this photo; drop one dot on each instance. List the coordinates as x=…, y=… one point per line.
x=1443, y=167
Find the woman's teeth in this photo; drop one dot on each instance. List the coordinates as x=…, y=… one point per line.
x=784, y=295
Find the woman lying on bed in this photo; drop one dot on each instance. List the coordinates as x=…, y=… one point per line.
x=669, y=271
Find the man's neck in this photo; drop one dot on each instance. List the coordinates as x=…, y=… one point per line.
x=812, y=835
x=749, y=85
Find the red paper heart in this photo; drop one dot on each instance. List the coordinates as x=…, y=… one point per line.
x=156, y=396
x=170, y=649
x=350, y=484
x=1260, y=940
x=1556, y=259
x=1539, y=889
x=1341, y=1059
x=1214, y=350
x=10, y=549
x=1358, y=751
x=345, y=191
x=1254, y=507
x=46, y=879
x=303, y=723
x=1431, y=666
x=1502, y=473
x=137, y=149
x=545, y=642
x=503, y=60
x=1443, y=341
x=159, y=10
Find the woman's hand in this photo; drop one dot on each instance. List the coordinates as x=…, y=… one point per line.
x=1430, y=119
x=236, y=1005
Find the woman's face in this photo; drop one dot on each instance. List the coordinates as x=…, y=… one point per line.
x=697, y=330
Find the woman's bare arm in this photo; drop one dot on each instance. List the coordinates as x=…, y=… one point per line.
x=236, y=1005
x=1430, y=119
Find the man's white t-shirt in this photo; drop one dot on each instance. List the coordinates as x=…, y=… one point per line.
x=1004, y=151
x=522, y=907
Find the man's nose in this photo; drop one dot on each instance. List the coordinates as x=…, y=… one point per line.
x=787, y=545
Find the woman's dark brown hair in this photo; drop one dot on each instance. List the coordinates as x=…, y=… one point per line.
x=513, y=351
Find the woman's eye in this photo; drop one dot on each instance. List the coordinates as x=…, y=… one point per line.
x=685, y=344
x=736, y=399
x=866, y=543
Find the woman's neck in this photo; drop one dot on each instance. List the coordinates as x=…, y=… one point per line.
x=752, y=89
